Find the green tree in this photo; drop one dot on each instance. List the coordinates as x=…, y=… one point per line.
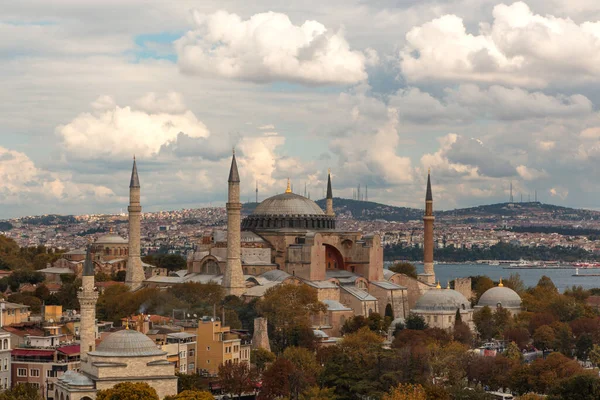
x=128, y=391
x=583, y=346
x=261, y=358
x=484, y=322
x=512, y=352
x=288, y=309
x=544, y=337
x=21, y=391
x=305, y=371
x=415, y=322
x=578, y=387
x=191, y=382
x=515, y=282
x=405, y=268
x=317, y=393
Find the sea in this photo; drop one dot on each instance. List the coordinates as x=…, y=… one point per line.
x=562, y=277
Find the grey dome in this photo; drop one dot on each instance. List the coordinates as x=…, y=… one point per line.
x=73, y=378
x=288, y=204
x=500, y=295
x=442, y=300
x=111, y=238
x=127, y=343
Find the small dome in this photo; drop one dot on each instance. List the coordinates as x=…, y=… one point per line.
x=111, y=238
x=73, y=378
x=500, y=295
x=442, y=300
x=127, y=343
x=288, y=204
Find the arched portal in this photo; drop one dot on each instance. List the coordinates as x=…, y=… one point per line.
x=333, y=258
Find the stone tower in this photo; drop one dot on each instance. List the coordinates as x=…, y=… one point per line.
x=135, y=272
x=429, y=274
x=329, y=198
x=260, y=339
x=88, y=296
x=233, y=279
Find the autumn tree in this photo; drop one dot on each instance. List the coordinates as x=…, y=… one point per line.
x=305, y=370
x=406, y=391
x=260, y=358
x=317, y=393
x=128, y=391
x=578, y=387
x=191, y=395
x=288, y=309
x=484, y=322
x=415, y=322
x=237, y=378
x=276, y=380
x=594, y=355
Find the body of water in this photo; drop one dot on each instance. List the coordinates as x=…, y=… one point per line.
x=562, y=278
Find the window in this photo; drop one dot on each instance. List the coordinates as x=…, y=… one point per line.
x=182, y=354
x=207, y=348
x=435, y=318
x=51, y=374
x=35, y=384
x=34, y=372
x=6, y=364
x=428, y=318
x=191, y=366
x=5, y=344
x=191, y=353
x=21, y=371
x=208, y=361
x=450, y=318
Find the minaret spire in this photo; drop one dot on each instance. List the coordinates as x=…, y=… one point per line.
x=135, y=272
x=329, y=198
x=88, y=297
x=233, y=279
x=428, y=273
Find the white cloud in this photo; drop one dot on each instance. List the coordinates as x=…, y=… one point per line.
x=269, y=47
x=114, y=131
x=530, y=174
x=22, y=182
x=519, y=48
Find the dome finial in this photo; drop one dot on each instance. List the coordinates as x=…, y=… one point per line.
x=438, y=285
x=289, y=188
x=500, y=284
x=127, y=324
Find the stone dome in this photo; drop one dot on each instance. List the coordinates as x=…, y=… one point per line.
x=442, y=300
x=288, y=204
x=500, y=295
x=288, y=210
x=127, y=343
x=73, y=378
x=111, y=238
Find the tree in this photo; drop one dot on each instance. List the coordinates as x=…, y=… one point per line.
x=288, y=309
x=462, y=333
x=353, y=324
x=515, y=282
x=583, y=345
x=415, y=322
x=512, y=352
x=406, y=391
x=480, y=285
x=191, y=382
x=237, y=378
x=578, y=387
x=404, y=268
x=275, y=380
x=564, y=339
x=128, y=391
x=544, y=338
x=21, y=391
x=457, y=317
x=191, y=395
x=260, y=358
x=317, y=393
x=305, y=371
x=502, y=319
x=484, y=322
x=594, y=355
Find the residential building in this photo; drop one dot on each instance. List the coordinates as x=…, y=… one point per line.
x=218, y=345
x=5, y=369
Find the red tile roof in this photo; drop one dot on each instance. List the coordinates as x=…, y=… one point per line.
x=70, y=349
x=31, y=352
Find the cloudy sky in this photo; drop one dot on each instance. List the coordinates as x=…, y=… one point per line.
x=482, y=92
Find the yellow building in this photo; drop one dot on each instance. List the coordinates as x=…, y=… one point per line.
x=217, y=345
x=13, y=313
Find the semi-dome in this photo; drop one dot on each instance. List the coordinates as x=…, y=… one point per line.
x=288, y=210
x=73, y=378
x=111, y=238
x=442, y=300
x=127, y=343
x=500, y=296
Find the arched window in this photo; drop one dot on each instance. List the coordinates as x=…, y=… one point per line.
x=5, y=344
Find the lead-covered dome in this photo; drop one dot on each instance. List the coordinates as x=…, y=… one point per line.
x=500, y=296
x=127, y=343
x=288, y=210
x=442, y=300
x=111, y=238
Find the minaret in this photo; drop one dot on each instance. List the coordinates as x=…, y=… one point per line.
x=88, y=296
x=233, y=279
x=429, y=274
x=135, y=272
x=329, y=198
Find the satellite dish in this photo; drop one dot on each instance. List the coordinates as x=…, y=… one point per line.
x=188, y=315
x=195, y=316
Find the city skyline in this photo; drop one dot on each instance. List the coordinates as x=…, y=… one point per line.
x=488, y=97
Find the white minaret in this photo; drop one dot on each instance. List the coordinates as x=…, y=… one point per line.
x=88, y=296
x=233, y=279
x=135, y=272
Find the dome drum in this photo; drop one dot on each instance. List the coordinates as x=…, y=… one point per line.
x=310, y=222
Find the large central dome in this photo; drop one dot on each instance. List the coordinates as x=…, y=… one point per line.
x=288, y=210
x=288, y=204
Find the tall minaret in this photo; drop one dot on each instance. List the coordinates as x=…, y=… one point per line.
x=233, y=279
x=135, y=272
x=429, y=274
x=88, y=296
x=329, y=198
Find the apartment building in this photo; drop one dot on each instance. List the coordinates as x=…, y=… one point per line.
x=217, y=345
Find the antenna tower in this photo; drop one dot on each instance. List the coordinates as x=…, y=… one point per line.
x=511, y=194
